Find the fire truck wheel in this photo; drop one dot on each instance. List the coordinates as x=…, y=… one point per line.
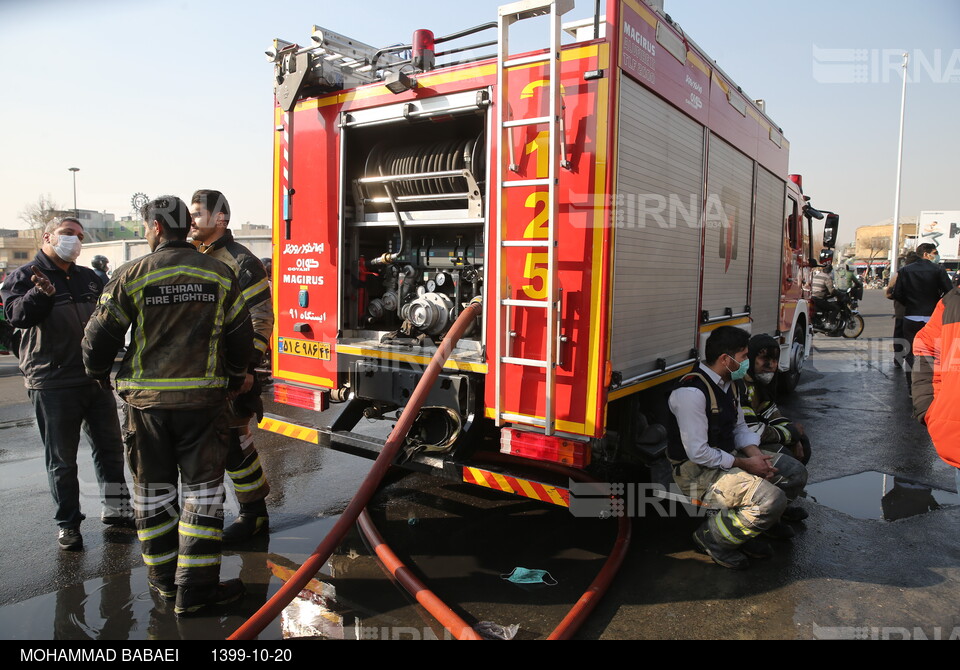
x=790, y=378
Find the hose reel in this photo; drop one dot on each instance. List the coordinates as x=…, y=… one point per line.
x=425, y=175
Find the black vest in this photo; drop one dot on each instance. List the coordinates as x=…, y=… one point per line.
x=721, y=416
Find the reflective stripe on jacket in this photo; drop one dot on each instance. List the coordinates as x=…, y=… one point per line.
x=191, y=332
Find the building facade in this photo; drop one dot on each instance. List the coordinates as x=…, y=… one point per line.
x=103, y=226
x=873, y=248
x=16, y=248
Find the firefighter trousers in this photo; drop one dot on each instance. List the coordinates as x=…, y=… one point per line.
x=748, y=504
x=164, y=447
x=243, y=461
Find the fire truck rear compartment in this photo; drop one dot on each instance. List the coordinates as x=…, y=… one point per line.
x=413, y=188
x=413, y=194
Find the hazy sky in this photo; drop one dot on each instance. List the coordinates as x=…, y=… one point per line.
x=165, y=96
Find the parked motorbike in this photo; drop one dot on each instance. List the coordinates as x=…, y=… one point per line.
x=847, y=323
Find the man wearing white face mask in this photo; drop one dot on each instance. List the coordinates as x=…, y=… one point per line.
x=777, y=432
x=50, y=299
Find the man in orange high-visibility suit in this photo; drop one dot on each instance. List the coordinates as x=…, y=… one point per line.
x=936, y=379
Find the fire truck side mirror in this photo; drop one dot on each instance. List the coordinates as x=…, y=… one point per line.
x=830, y=230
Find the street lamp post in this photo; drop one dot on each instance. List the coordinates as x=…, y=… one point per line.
x=895, y=246
x=76, y=212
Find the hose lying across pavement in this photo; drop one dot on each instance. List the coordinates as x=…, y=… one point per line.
x=459, y=628
x=272, y=608
x=356, y=511
x=591, y=597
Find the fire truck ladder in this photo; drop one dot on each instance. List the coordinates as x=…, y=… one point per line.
x=507, y=304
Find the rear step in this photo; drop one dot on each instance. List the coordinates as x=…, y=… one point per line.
x=492, y=477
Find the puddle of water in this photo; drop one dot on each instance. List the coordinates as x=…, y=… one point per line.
x=120, y=607
x=877, y=495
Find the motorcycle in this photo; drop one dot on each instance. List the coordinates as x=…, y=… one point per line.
x=847, y=323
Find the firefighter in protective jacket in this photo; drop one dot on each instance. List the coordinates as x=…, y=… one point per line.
x=191, y=344
x=760, y=411
x=208, y=230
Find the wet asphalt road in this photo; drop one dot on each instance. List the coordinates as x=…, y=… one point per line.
x=848, y=573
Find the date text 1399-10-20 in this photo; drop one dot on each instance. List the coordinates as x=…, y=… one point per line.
x=257, y=654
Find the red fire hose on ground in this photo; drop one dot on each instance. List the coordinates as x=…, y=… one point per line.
x=356, y=511
x=591, y=597
x=454, y=623
x=272, y=608
x=459, y=628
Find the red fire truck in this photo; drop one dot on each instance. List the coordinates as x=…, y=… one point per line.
x=610, y=200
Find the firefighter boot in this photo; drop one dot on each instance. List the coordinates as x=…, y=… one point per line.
x=757, y=547
x=200, y=598
x=161, y=582
x=779, y=531
x=794, y=513
x=721, y=554
x=252, y=521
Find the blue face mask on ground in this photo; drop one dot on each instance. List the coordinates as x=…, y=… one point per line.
x=529, y=576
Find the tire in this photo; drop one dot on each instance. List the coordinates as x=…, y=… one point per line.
x=788, y=380
x=853, y=326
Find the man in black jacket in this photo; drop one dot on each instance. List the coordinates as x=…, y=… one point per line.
x=50, y=299
x=919, y=287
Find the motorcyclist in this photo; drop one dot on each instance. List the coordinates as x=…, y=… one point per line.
x=100, y=266
x=845, y=278
x=823, y=290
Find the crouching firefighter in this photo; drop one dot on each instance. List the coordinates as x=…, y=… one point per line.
x=190, y=345
x=717, y=460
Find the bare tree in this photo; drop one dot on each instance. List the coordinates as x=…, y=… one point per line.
x=39, y=213
x=876, y=246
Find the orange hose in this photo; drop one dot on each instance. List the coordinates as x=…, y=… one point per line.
x=440, y=611
x=272, y=608
x=591, y=597
x=456, y=625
